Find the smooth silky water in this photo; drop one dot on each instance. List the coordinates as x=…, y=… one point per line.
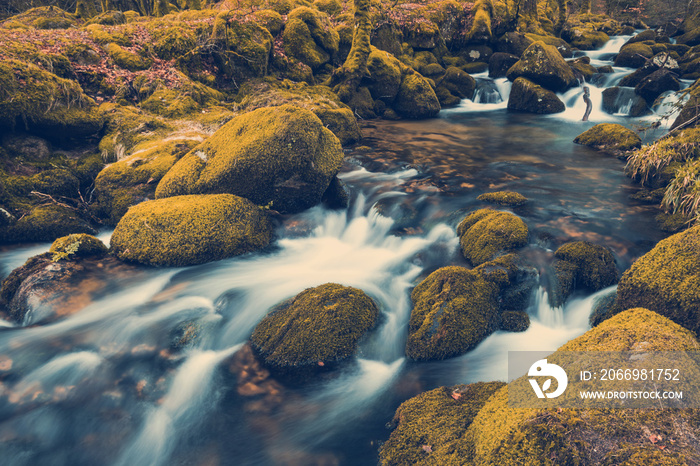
x=103, y=386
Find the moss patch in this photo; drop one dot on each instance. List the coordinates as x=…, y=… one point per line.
x=485, y=233
x=77, y=245
x=281, y=155
x=309, y=37
x=506, y=198
x=416, y=98
x=609, y=136
x=319, y=326
x=188, y=230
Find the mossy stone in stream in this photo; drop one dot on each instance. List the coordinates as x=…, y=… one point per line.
x=459, y=83
x=609, y=136
x=188, y=230
x=77, y=245
x=319, y=327
x=667, y=280
x=384, y=75
x=515, y=321
x=612, y=102
x=279, y=155
x=430, y=427
x=582, y=265
x=633, y=55
x=501, y=434
x=543, y=65
x=485, y=233
x=416, y=98
x=506, y=198
x=526, y=96
x=45, y=223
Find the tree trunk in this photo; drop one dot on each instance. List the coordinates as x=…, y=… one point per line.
x=586, y=6
x=355, y=66
x=561, y=19
x=85, y=9
x=161, y=7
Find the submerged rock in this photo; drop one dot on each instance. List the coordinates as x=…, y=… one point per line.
x=279, y=155
x=507, y=198
x=666, y=280
x=485, y=233
x=543, y=65
x=526, y=96
x=582, y=265
x=187, y=230
x=319, y=327
x=609, y=136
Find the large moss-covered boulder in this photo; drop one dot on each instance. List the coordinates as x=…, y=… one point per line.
x=500, y=63
x=667, y=280
x=134, y=179
x=384, y=75
x=500, y=434
x=187, y=230
x=526, y=96
x=458, y=82
x=634, y=55
x=582, y=265
x=127, y=60
x=280, y=155
x=44, y=223
x=609, y=136
x=34, y=99
x=309, y=37
x=416, y=98
x=543, y=65
x=247, y=46
x=485, y=233
x=656, y=84
x=320, y=327
x=430, y=427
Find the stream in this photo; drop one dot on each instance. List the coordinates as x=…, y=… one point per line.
x=104, y=386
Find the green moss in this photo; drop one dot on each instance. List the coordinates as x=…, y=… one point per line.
x=109, y=18
x=666, y=280
x=515, y=321
x=187, y=230
x=174, y=42
x=126, y=128
x=507, y=198
x=280, y=155
x=134, y=179
x=244, y=49
x=486, y=233
x=330, y=7
x=43, y=102
x=77, y=245
x=633, y=55
x=430, y=427
x=309, y=38
x=543, y=65
x=526, y=96
x=384, y=75
x=127, y=60
x=189, y=99
x=481, y=26
x=319, y=326
x=582, y=265
x=99, y=35
x=46, y=223
x=609, y=136
x=504, y=435
x=43, y=17
x=270, y=20
x=454, y=309
x=416, y=98
x=586, y=39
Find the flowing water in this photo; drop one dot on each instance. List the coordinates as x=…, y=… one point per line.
x=106, y=385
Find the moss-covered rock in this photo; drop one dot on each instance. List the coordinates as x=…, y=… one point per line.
x=507, y=198
x=500, y=63
x=543, y=65
x=43, y=17
x=416, y=98
x=582, y=68
x=515, y=321
x=45, y=223
x=77, y=245
x=688, y=117
x=430, y=427
x=666, y=280
x=246, y=48
x=500, y=434
x=633, y=55
x=609, y=136
x=309, y=38
x=320, y=327
x=454, y=309
x=586, y=39
x=187, y=230
x=485, y=233
x=40, y=101
x=657, y=83
x=458, y=83
x=134, y=179
x=526, y=96
x=280, y=155
x=582, y=265
x=127, y=60
x=384, y=75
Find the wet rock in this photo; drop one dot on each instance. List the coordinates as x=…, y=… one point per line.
x=28, y=146
x=500, y=63
x=337, y=196
x=315, y=330
x=385, y=75
x=666, y=280
x=485, y=233
x=44, y=290
x=584, y=266
x=633, y=55
x=617, y=98
x=416, y=98
x=656, y=84
x=609, y=137
x=187, y=230
x=506, y=198
x=458, y=83
x=514, y=43
x=603, y=309
x=582, y=68
x=526, y=96
x=433, y=425
x=74, y=246
x=515, y=321
x=543, y=65
x=280, y=155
